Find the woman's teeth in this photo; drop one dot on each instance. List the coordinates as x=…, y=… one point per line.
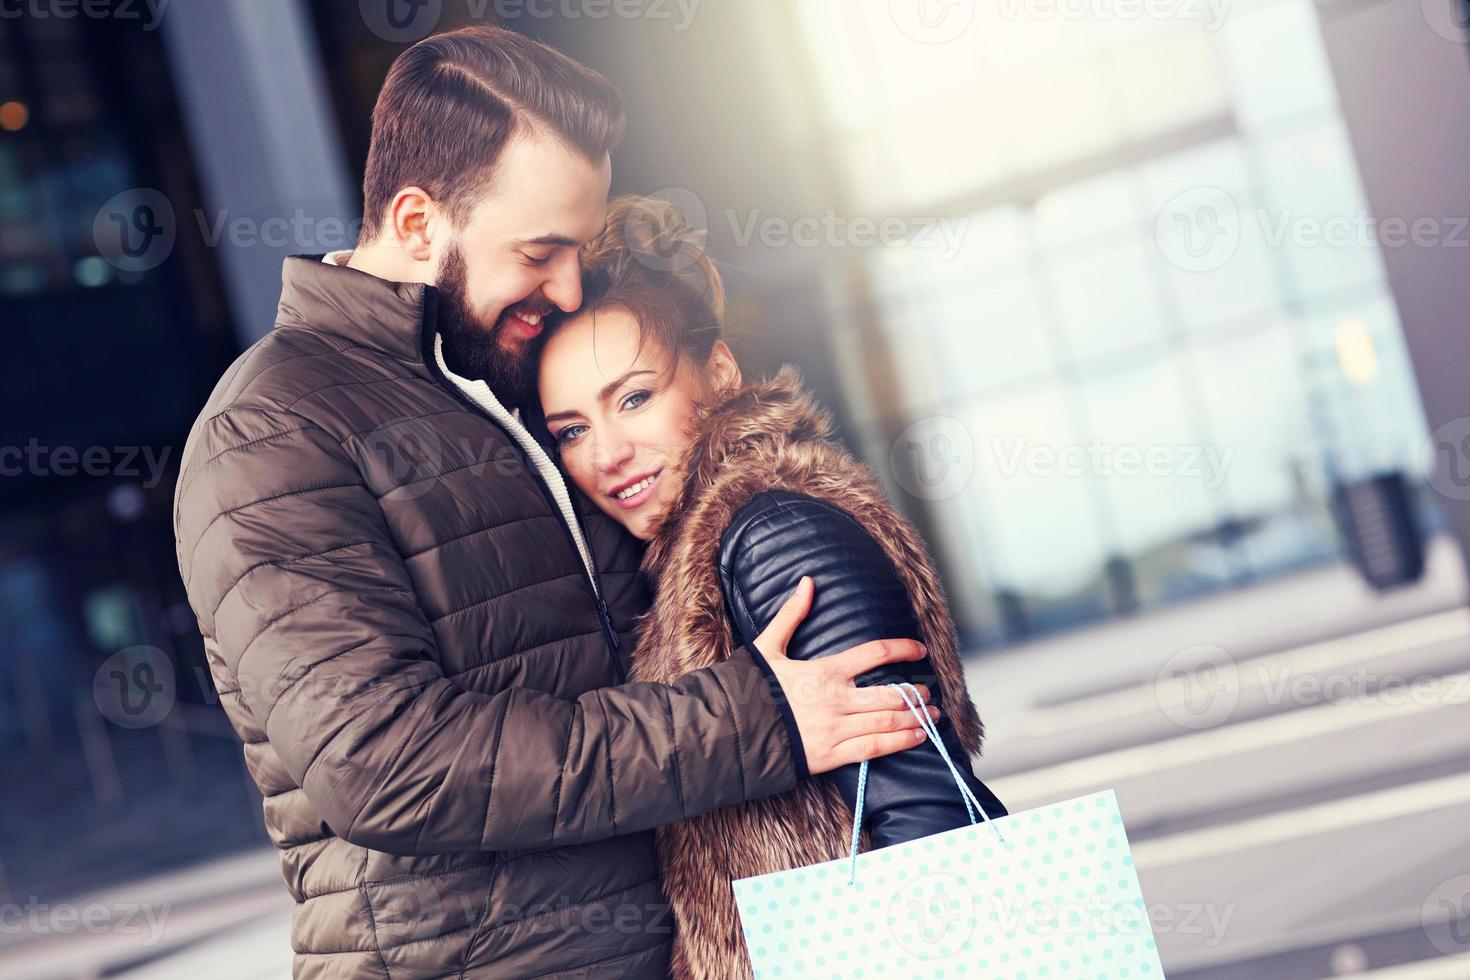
x=531, y=318
x=642, y=484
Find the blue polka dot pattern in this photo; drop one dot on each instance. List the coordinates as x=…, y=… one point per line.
x=1050, y=892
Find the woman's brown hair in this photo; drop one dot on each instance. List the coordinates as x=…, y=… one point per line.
x=650, y=262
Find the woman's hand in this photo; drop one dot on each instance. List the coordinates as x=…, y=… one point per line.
x=840, y=723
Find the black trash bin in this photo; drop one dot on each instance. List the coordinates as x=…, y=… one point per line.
x=1383, y=538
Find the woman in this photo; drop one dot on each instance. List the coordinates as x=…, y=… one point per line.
x=740, y=493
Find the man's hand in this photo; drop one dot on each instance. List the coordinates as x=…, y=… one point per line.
x=841, y=723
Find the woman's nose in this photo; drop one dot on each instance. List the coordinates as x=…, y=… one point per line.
x=613, y=455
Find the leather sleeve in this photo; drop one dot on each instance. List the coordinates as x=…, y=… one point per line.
x=324, y=649
x=777, y=538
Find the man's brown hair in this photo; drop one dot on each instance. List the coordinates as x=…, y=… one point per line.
x=453, y=101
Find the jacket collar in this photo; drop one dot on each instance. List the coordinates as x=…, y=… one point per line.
x=763, y=417
x=394, y=318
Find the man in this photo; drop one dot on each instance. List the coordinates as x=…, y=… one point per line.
x=414, y=627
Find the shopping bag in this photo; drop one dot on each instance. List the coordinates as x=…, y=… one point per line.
x=1045, y=893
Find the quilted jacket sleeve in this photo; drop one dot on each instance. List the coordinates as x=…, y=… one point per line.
x=774, y=540
x=320, y=645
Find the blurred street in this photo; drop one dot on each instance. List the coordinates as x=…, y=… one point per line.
x=1297, y=810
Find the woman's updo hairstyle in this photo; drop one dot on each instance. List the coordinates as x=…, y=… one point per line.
x=651, y=263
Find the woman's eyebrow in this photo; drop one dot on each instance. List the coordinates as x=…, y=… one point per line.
x=616, y=383
x=602, y=396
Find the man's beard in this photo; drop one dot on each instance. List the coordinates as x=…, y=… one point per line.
x=472, y=350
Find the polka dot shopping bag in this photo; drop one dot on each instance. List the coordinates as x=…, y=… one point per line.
x=1045, y=894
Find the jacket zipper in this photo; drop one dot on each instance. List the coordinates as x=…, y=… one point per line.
x=609, y=634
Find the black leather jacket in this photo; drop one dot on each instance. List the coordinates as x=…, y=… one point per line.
x=773, y=541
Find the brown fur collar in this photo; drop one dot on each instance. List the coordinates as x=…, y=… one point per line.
x=763, y=417
x=766, y=435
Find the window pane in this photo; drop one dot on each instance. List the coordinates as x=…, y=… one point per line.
x=1315, y=217
x=991, y=334
x=1088, y=209
x=1275, y=64
x=1165, y=83
x=1148, y=457
x=1363, y=377
x=1038, y=516
x=1106, y=298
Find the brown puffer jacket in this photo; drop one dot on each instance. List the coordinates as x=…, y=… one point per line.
x=403, y=633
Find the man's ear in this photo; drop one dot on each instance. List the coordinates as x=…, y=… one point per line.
x=412, y=215
x=723, y=370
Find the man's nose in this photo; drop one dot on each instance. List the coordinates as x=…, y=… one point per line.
x=564, y=288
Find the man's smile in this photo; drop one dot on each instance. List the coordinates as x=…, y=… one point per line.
x=524, y=320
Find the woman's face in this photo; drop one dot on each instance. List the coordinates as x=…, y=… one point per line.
x=619, y=417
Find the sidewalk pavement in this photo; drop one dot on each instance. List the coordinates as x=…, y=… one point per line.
x=230, y=918
x=98, y=933
x=1310, y=606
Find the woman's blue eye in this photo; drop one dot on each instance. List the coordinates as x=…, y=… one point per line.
x=641, y=396
x=568, y=434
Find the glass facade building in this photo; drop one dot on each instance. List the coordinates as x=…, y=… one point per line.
x=1141, y=302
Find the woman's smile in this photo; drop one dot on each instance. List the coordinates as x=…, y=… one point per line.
x=635, y=492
